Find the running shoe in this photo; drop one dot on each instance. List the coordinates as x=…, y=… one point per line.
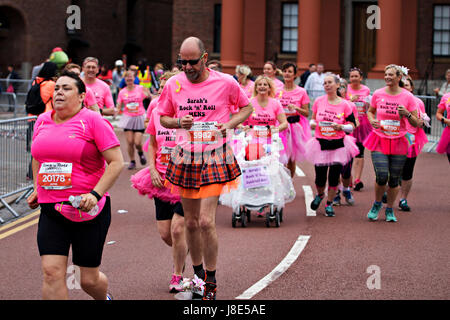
x=316, y=202
x=142, y=159
x=403, y=205
x=390, y=217
x=373, y=213
x=132, y=165
x=210, y=291
x=358, y=186
x=348, y=197
x=109, y=296
x=384, y=199
x=337, y=199
x=176, y=284
x=198, y=288
x=329, y=211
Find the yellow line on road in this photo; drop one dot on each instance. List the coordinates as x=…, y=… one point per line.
x=24, y=226
x=28, y=217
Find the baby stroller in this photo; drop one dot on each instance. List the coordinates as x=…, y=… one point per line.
x=265, y=182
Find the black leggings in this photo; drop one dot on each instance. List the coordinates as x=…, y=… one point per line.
x=408, y=169
x=333, y=175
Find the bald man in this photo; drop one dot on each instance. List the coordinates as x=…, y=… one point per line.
x=203, y=105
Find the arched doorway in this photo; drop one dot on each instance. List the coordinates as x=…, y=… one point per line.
x=12, y=39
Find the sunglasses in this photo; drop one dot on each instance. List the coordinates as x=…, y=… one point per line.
x=191, y=62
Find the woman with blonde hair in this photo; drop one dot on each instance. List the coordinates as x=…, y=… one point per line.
x=243, y=73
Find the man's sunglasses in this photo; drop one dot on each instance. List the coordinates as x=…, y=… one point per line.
x=191, y=62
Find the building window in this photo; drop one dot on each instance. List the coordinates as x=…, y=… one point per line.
x=289, y=30
x=217, y=27
x=441, y=30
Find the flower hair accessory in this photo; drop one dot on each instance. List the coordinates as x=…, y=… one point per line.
x=404, y=70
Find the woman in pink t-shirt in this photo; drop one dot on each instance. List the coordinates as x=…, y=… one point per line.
x=444, y=142
x=359, y=94
x=295, y=102
x=390, y=108
x=331, y=148
x=169, y=211
x=270, y=70
x=418, y=140
x=243, y=73
x=71, y=147
x=133, y=118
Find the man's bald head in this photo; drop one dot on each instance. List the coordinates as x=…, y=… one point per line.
x=192, y=44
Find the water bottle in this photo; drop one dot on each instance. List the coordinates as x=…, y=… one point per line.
x=75, y=200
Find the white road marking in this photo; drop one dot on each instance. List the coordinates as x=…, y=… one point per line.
x=299, y=172
x=309, y=197
x=293, y=254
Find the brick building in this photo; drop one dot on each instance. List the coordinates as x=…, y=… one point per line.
x=414, y=33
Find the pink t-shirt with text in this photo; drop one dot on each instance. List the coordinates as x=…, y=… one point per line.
x=132, y=101
x=298, y=97
x=327, y=114
x=102, y=94
x=165, y=141
x=153, y=104
x=386, y=105
x=361, y=102
x=263, y=116
x=78, y=143
x=209, y=102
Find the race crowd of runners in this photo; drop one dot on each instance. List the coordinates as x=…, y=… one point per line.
x=189, y=160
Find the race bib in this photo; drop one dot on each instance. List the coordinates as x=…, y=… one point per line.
x=165, y=155
x=326, y=129
x=132, y=107
x=203, y=132
x=55, y=175
x=289, y=112
x=261, y=132
x=255, y=177
x=390, y=127
x=361, y=106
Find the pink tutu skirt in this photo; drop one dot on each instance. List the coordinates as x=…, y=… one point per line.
x=397, y=146
x=294, y=141
x=444, y=143
x=319, y=157
x=420, y=140
x=364, y=129
x=142, y=182
x=306, y=128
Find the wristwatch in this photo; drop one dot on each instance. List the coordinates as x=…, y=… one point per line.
x=443, y=120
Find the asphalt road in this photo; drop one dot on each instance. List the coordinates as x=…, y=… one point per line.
x=307, y=258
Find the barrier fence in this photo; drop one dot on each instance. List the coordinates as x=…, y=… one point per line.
x=15, y=157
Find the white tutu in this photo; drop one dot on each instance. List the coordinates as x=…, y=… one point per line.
x=277, y=187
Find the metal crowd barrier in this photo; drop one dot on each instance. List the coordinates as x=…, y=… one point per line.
x=15, y=158
x=12, y=103
x=434, y=133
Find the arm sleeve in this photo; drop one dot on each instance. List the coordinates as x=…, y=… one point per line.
x=103, y=133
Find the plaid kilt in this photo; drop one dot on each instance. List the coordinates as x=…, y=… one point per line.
x=192, y=170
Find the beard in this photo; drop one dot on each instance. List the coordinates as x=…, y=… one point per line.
x=193, y=75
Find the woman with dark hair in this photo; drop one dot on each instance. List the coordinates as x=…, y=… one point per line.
x=418, y=139
x=46, y=79
x=359, y=94
x=390, y=109
x=75, y=153
x=295, y=102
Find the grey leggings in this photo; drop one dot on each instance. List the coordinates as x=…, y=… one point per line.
x=388, y=168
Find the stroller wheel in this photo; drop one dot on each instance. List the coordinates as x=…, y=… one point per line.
x=281, y=215
x=233, y=220
x=277, y=219
x=243, y=217
x=248, y=213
